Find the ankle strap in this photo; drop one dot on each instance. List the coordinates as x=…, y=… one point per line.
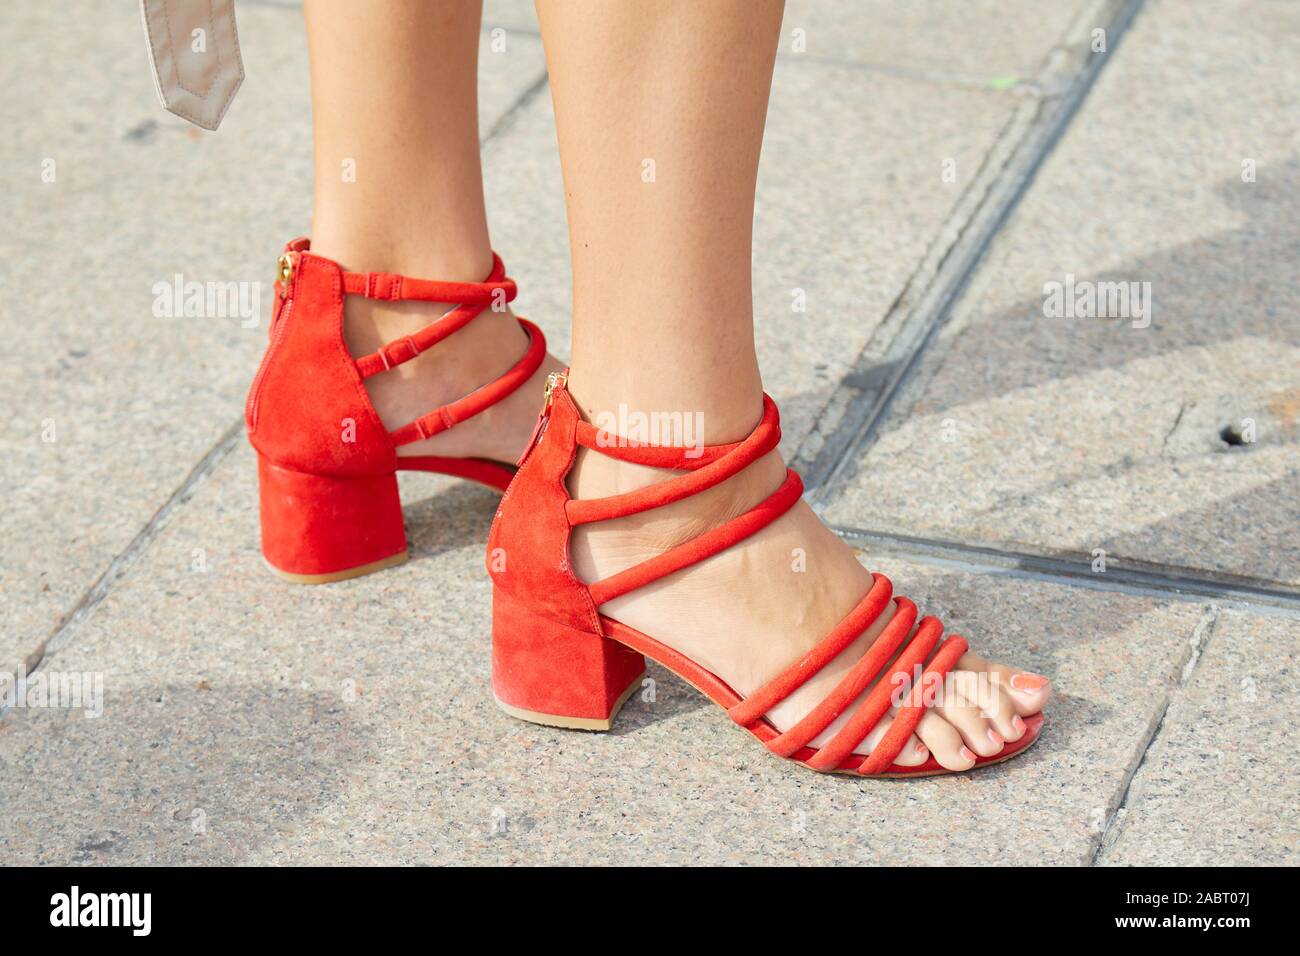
x=663, y=456
x=471, y=298
x=392, y=287
x=709, y=467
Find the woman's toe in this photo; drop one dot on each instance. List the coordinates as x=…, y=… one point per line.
x=913, y=754
x=945, y=742
x=978, y=734
x=1028, y=691
x=991, y=699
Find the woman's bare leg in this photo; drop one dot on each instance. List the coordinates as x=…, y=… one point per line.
x=660, y=109
x=398, y=188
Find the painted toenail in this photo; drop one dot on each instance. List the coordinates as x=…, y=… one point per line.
x=997, y=738
x=1018, y=723
x=1028, y=683
x=966, y=754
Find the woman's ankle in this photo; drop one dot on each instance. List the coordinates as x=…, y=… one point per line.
x=640, y=399
x=402, y=241
x=630, y=416
x=479, y=353
x=594, y=475
x=482, y=350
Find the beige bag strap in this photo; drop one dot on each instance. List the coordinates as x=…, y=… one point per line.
x=194, y=52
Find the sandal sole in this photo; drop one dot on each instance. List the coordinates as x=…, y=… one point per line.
x=346, y=574
x=572, y=723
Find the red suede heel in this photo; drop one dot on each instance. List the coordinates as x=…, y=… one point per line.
x=330, y=504
x=549, y=673
x=316, y=528
x=555, y=656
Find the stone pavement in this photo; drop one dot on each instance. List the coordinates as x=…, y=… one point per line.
x=1059, y=488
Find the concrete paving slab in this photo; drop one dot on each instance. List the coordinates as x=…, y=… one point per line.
x=851, y=196
x=1084, y=435
x=1219, y=785
x=248, y=721
x=986, y=41
x=108, y=405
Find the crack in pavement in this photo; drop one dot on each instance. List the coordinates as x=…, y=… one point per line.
x=1166, y=582
x=96, y=593
x=1115, y=822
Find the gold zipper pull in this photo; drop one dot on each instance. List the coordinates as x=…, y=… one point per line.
x=553, y=381
x=284, y=274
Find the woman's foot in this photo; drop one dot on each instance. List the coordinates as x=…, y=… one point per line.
x=751, y=610
x=478, y=353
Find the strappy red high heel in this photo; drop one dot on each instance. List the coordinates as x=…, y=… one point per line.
x=557, y=660
x=327, y=466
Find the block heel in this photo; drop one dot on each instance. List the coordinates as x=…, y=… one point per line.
x=317, y=529
x=549, y=673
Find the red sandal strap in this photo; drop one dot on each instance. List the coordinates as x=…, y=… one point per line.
x=654, y=456
x=910, y=714
x=851, y=685
x=445, y=416
x=848, y=630
x=392, y=287
x=706, y=545
x=879, y=700
x=717, y=467
x=407, y=347
x=471, y=298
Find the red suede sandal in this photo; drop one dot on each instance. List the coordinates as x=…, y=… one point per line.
x=327, y=466
x=557, y=660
